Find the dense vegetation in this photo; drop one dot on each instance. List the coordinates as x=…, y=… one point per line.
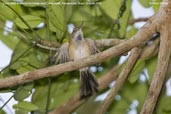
x=47, y=21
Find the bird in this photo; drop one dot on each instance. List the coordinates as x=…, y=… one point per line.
x=78, y=48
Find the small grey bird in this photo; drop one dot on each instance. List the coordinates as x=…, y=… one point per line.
x=79, y=48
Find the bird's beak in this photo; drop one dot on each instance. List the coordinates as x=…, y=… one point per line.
x=80, y=27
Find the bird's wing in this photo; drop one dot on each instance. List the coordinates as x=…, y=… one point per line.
x=62, y=55
x=92, y=46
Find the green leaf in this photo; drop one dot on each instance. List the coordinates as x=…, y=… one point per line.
x=9, y=40
x=1, y=76
x=81, y=14
x=34, y=60
x=62, y=95
x=61, y=90
x=167, y=103
x=28, y=106
x=131, y=30
x=119, y=107
x=32, y=21
x=25, y=58
x=58, y=16
x=40, y=97
x=139, y=88
x=145, y=3
x=16, y=65
x=89, y=106
x=2, y=112
x=24, y=69
x=135, y=73
x=164, y=103
x=23, y=92
x=57, y=19
x=124, y=19
x=21, y=111
x=7, y=14
x=68, y=12
x=111, y=7
x=156, y=6
x=4, y=10
x=19, y=50
x=151, y=66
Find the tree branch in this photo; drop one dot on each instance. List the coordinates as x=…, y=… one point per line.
x=140, y=38
x=153, y=28
x=75, y=101
x=120, y=81
x=150, y=50
x=162, y=63
x=49, y=45
x=108, y=42
x=138, y=20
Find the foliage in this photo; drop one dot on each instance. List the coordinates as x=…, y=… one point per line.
x=103, y=19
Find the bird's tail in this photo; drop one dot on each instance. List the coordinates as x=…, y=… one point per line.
x=88, y=83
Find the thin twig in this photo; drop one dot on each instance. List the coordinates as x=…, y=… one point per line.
x=6, y=102
x=131, y=22
x=120, y=81
x=49, y=45
x=48, y=95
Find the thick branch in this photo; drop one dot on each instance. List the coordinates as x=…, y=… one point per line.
x=75, y=101
x=120, y=81
x=142, y=36
x=162, y=63
x=49, y=45
x=108, y=42
x=150, y=50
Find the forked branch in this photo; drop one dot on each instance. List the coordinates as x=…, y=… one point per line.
x=162, y=62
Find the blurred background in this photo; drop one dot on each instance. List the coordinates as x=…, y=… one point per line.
x=54, y=22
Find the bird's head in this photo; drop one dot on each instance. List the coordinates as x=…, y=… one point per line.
x=77, y=33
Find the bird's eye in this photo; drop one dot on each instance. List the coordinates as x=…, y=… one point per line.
x=74, y=31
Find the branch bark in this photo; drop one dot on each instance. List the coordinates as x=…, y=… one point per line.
x=108, y=42
x=156, y=23
x=138, y=20
x=140, y=38
x=99, y=43
x=74, y=101
x=162, y=63
x=120, y=81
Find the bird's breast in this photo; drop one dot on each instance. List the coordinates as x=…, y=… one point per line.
x=79, y=51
